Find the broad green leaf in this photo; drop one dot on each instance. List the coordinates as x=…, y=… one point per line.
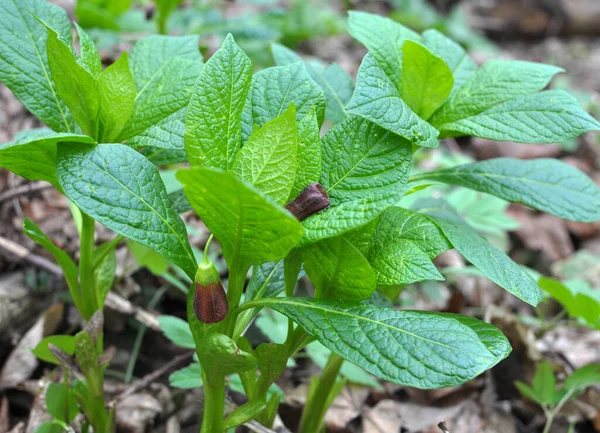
x=188, y=377
x=414, y=348
x=177, y=330
x=62, y=258
x=220, y=355
x=144, y=256
x=122, y=190
x=545, y=117
x=453, y=54
x=576, y=297
x=402, y=246
x=338, y=270
x=546, y=184
x=337, y=84
x=271, y=359
x=64, y=342
x=495, y=82
x=165, y=69
x=497, y=266
x=544, y=383
x=213, y=122
x=33, y=153
x=168, y=133
x=89, y=54
x=309, y=153
x=429, y=76
x=60, y=402
x=117, y=97
x=74, y=83
x=384, y=39
x=245, y=222
x=24, y=62
x=365, y=170
x=528, y=392
x=377, y=100
x=246, y=412
x=50, y=427
x=584, y=377
x=274, y=89
x=266, y=281
x=105, y=268
x=269, y=159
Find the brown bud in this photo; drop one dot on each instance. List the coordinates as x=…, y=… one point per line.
x=311, y=200
x=210, y=302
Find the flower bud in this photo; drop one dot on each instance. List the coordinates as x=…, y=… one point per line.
x=209, y=301
x=311, y=200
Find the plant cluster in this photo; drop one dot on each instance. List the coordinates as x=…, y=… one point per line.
x=279, y=198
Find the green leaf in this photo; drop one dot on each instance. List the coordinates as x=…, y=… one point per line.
x=576, y=297
x=213, y=123
x=376, y=99
x=364, y=171
x=86, y=353
x=429, y=76
x=495, y=82
x=89, y=54
x=220, y=355
x=122, y=190
x=309, y=153
x=105, y=268
x=338, y=270
x=384, y=39
x=167, y=133
x=584, y=377
x=50, y=427
x=117, y=97
x=64, y=342
x=269, y=159
x=414, y=348
x=245, y=222
x=545, y=117
x=33, y=153
x=271, y=359
x=266, y=281
x=337, y=84
x=62, y=258
x=24, y=62
x=74, y=83
x=402, y=246
x=453, y=54
x=148, y=258
x=546, y=184
x=528, y=392
x=177, y=330
x=60, y=402
x=246, y=412
x=188, y=377
x=544, y=383
x=274, y=89
x=496, y=265
x=165, y=69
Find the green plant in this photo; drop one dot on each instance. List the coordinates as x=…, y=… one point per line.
x=253, y=144
x=544, y=392
x=579, y=300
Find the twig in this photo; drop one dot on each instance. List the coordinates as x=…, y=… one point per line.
x=149, y=378
x=113, y=300
x=24, y=189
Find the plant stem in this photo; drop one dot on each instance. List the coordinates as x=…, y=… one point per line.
x=98, y=417
x=86, y=267
x=235, y=287
x=214, y=403
x=316, y=406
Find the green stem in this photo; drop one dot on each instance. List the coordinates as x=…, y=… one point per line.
x=235, y=287
x=66, y=393
x=98, y=417
x=86, y=267
x=316, y=406
x=214, y=403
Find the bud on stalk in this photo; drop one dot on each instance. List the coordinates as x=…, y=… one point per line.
x=210, y=300
x=311, y=200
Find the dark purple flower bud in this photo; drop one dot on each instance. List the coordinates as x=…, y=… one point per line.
x=311, y=200
x=210, y=302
